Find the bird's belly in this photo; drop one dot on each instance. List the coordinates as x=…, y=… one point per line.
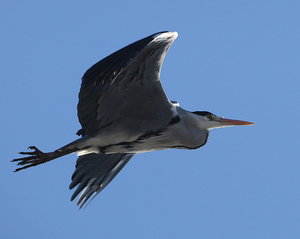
x=133, y=147
x=150, y=141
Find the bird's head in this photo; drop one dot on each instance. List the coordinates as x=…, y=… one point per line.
x=207, y=120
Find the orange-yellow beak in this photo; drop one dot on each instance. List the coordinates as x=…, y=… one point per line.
x=231, y=122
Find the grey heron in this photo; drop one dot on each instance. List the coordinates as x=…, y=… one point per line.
x=123, y=110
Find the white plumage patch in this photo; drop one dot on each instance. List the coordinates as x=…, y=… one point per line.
x=165, y=35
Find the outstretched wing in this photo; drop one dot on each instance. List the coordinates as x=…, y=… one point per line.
x=94, y=172
x=125, y=89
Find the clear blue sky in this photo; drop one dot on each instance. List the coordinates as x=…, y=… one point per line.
x=237, y=59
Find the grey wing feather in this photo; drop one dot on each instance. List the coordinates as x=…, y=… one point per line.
x=94, y=172
x=124, y=88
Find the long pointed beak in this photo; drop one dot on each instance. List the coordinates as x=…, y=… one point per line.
x=231, y=122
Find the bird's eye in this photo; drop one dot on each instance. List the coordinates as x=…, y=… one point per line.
x=209, y=117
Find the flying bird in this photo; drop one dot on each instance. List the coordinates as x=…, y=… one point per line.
x=123, y=110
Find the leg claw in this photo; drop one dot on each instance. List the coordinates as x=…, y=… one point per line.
x=37, y=157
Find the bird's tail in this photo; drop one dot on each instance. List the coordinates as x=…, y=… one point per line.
x=38, y=157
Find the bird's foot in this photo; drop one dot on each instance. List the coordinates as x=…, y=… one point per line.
x=36, y=157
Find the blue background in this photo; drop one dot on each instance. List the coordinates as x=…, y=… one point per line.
x=237, y=59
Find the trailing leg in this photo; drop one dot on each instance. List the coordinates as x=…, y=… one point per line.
x=38, y=157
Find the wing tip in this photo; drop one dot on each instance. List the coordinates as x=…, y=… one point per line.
x=165, y=35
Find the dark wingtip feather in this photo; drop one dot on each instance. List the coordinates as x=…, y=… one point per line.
x=94, y=172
